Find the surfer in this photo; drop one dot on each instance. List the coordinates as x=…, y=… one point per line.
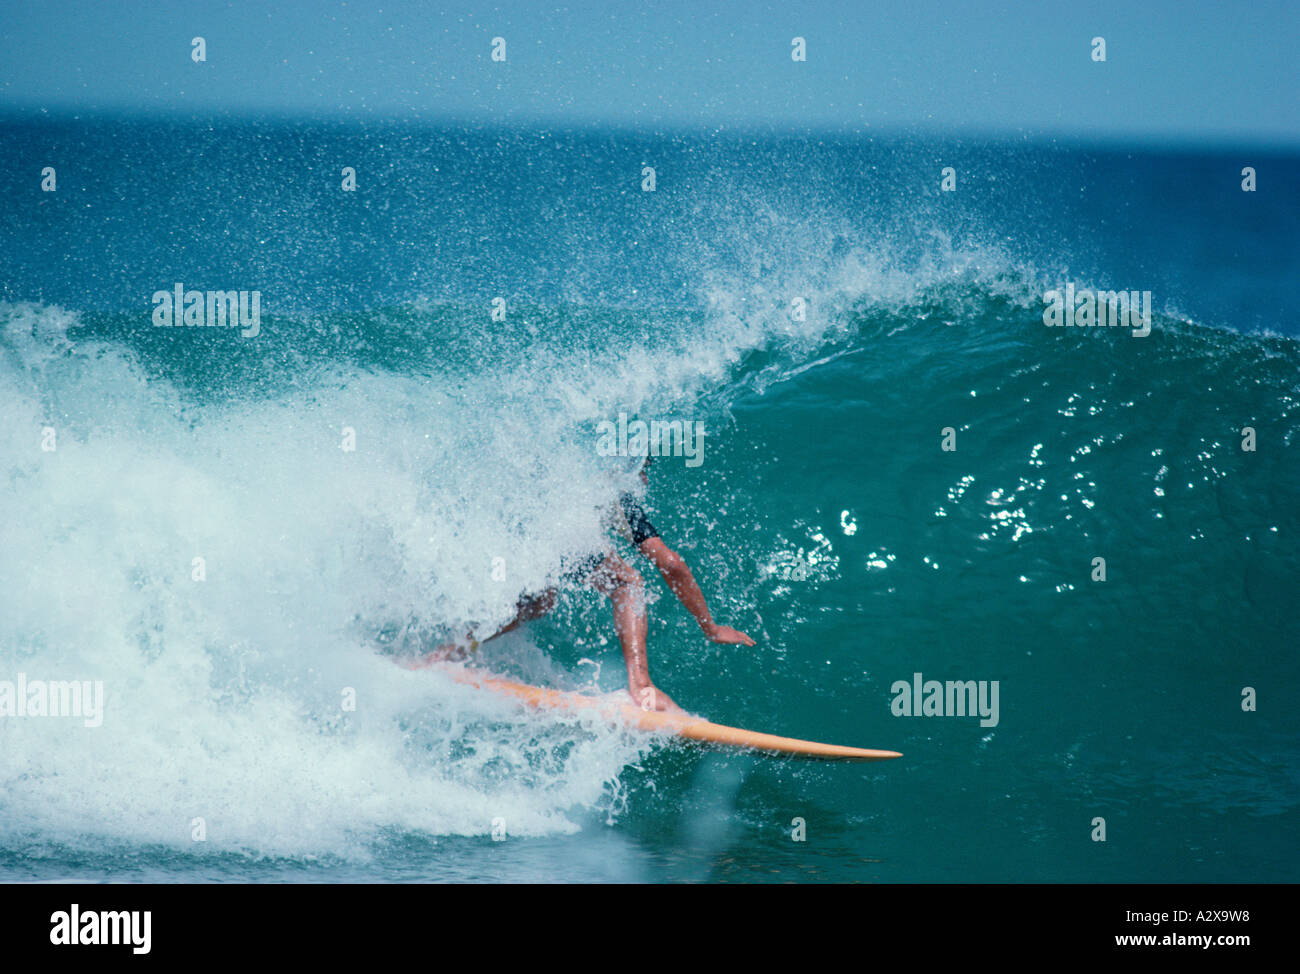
x=623, y=585
x=636, y=527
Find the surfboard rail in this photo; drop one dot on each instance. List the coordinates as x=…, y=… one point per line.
x=693, y=728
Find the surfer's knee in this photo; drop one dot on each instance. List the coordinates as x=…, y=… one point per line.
x=627, y=581
x=629, y=578
x=616, y=578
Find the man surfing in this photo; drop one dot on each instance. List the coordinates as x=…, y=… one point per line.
x=622, y=584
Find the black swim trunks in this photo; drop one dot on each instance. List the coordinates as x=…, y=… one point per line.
x=637, y=522
x=634, y=526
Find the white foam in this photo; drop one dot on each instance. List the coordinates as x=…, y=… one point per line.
x=224, y=696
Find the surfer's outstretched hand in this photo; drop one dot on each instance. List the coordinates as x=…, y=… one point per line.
x=725, y=634
x=652, y=698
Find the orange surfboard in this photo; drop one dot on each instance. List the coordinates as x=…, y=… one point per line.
x=695, y=728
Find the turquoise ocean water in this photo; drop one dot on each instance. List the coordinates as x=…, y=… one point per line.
x=825, y=519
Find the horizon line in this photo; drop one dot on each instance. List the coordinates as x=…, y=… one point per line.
x=1115, y=139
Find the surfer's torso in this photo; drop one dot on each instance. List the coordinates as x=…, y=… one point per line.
x=628, y=519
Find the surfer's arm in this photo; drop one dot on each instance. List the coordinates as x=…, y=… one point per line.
x=528, y=607
x=677, y=575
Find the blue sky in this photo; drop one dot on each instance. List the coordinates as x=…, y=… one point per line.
x=1199, y=70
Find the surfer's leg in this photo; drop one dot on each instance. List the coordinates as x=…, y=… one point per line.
x=623, y=585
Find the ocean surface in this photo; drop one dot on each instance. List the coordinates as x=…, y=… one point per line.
x=255, y=726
